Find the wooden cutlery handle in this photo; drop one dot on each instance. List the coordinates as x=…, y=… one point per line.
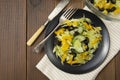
x=36, y=34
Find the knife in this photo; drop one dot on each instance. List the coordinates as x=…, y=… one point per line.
x=53, y=14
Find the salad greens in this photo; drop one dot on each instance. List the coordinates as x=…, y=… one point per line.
x=107, y=6
x=76, y=41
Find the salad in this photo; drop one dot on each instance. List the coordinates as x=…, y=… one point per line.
x=107, y=6
x=76, y=41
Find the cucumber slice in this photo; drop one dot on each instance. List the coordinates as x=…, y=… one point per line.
x=77, y=46
x=79, y=37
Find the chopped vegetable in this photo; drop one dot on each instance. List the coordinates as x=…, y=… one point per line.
x=79, y=40
x=107, y=6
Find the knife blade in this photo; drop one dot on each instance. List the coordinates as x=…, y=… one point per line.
x=58, y=9
x=53, y=14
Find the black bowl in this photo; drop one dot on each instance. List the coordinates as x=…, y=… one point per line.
x=99, y=55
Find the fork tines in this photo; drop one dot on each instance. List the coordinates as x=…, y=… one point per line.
x=69, y=11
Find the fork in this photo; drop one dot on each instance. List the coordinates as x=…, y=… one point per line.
x=66, y=15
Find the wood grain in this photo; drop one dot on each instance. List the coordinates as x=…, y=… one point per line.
x=37, y=12
x=19, y=19
x=117, y=66
x=108, y=73
x=12, y=40
x=36, y=16
x=112, y=70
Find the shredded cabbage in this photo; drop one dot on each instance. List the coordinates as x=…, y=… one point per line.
x=77, y=40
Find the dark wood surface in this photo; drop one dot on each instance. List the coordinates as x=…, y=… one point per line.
x=19, y=19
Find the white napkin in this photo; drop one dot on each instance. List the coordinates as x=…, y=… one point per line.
x=53, y=73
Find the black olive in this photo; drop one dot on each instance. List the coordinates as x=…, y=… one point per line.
x=86, y=41
x=87, y=48
x=76, y=33
x=92, y=1
x=59, y=27
x=73, y=51
x=112, y=9
x=101, y=9
x=108, y=1
x=113, y=1
x=91, y=48
x=70, y=28
x=57, y=42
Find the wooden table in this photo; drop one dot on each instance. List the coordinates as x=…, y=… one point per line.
x=19, y=19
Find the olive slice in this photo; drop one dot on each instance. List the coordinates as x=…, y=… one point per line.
x=92, y=1
x=113, y=1
x=108, y=1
